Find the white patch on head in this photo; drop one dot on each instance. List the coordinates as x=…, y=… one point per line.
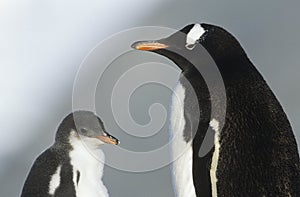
x=54, y=181
x=193, y=36
x=181, y=152
x=89, y=166
x=214, y=124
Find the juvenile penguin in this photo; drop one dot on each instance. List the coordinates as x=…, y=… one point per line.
x=255, y=152
x=70, y=166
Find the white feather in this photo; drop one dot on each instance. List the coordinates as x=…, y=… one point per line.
x=214, y=124
x=90, y=168
x=182, y=152
x=55, y=181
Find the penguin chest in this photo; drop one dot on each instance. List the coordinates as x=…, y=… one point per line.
x=87, y=172
x=181, y=151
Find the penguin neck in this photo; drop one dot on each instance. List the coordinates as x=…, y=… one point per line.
x=196, y=92
x=243, y=82
x=89, y=157
x=88, y=167
x=237, y=69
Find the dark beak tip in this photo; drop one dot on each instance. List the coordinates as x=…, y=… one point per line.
x=135, y=44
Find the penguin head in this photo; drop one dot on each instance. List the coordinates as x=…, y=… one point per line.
x=219, y=43
x=85, y=126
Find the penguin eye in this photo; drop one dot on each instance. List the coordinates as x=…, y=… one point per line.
x=83, y=131
x=191, y=46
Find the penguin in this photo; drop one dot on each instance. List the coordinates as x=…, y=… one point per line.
x=255, y=152
x=68, y=167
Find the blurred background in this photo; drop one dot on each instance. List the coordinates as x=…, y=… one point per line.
x=42, y=44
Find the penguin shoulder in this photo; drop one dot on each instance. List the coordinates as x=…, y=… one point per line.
x=38, y=179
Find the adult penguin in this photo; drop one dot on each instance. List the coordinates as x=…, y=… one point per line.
x=255, y=152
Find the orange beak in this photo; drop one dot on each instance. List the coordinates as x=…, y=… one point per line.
x=108, y=139
x=148, y=45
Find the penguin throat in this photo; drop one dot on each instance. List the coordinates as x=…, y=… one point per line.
x=88, y=167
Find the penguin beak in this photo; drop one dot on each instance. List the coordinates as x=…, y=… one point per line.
x=149, y=45
x=109, y=139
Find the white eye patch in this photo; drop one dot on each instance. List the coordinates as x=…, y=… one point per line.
x=193, y=36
